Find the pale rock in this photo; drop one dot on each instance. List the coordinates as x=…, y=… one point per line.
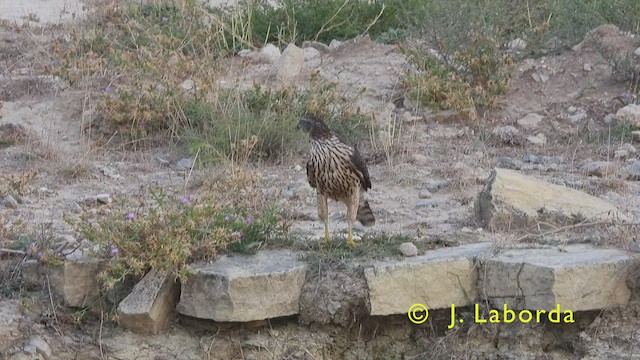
x=244, y=53
x=635, y=135
x=609, y=118
x=334, y=44
x=579, y=278
x=511, y=199
x=104, y=198
x=517, y=44
x=41, y=346
x=245, y=288
x=578, y=116
x=408, y=249
x=289, y=65
x=636, y=52
x=437, y=279
x=599, y=168
x=539, y=139
x=10, y=202
x=629, y=114
x=148, y=307
x=586, y=67
x=269, y=54
x=531, y=121
x=311, y=54
x=188, y=85
x=323, y=48
x=633, y=170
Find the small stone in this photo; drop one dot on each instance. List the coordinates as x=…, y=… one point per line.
x=244, y=53
x=636, y=52
x=104, y=198
x=41, y=346
x=298, y=168
x=10, y=202
x=311, y=54
x=539, y=139
x=633, y=171
x=162, y=161
x=629, y=114
x=531, y=121
x=269, y=54
x=334, y=44
x=517, y=44
x=599, y=168
x=184, y=164
x=577, y=117
x=609, y=118
x=427, y=204
x=408, y=249
x=544, y=78
x=586, y=67
x=333, y=307
x=436, y=186
x=424, y=194
x=508, y=134
x=572, y=109
x=188, y=85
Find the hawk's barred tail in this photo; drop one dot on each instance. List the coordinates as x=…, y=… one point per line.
x=365, y=215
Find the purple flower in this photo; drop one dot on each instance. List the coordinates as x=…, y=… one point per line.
x=131, y=215
x=164, y=19
x=185, y=200
x=249, y=220
x=115, y=250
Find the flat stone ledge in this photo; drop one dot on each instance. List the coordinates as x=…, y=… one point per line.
x=579, y=278
x=438, y=279
x=245, y=288
x=148, y=307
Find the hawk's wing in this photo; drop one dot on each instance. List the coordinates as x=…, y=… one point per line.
x=360, y=168
x=310, y=175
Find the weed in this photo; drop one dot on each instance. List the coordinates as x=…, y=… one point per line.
x=468, y=79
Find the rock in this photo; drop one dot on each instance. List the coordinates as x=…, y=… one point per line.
x=436, y=186
x=577, y=117
x=184, y=164
x=517, y=44
x=408, y=249
x=636, y=52
x=609, y=118
x=316, y=45
x=148, y=307
x=531, y=121
x=188, y=85
x=41, y=346
x=10, y=202
x=506, y=162
x=539, y=139
x=624, y=151
x=427, y=204
x=586, y=67
x=104, y=198
x=244, y=53
x=424, y=194
x=334, y=44
x=530, y=158
x=269, y=54
x=510, y=199
x=579, y=278
x=289, y=65
x=629, y=114
x=599, y=168
x=633, y=171
x=538, y=77
x=245, y=288
x=311, y=54
x=76, y=282
x=508, y=135
x=438, y=279
x=635, y=135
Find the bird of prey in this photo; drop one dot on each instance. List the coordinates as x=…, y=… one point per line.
x=337, y=171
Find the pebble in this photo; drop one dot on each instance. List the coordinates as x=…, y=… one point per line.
x=408, y=249
x=333, y=307
x=184, y=164
x=424, y=194
x=436, y=186
x=539, y=139
x=531, y=121
x=104, y=198
x=587, y=67
x=41, y=346
x=269, y=54
x=10, y=202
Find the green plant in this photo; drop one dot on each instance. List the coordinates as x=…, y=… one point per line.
x=471, y=78
x=168, y=234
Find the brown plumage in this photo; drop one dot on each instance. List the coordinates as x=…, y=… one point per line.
x=337, y=171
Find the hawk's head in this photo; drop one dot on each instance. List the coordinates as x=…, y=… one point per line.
x=314, y=126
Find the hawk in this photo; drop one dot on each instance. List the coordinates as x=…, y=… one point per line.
x=337, y=171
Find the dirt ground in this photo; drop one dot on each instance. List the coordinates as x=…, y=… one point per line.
x=424, y=189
